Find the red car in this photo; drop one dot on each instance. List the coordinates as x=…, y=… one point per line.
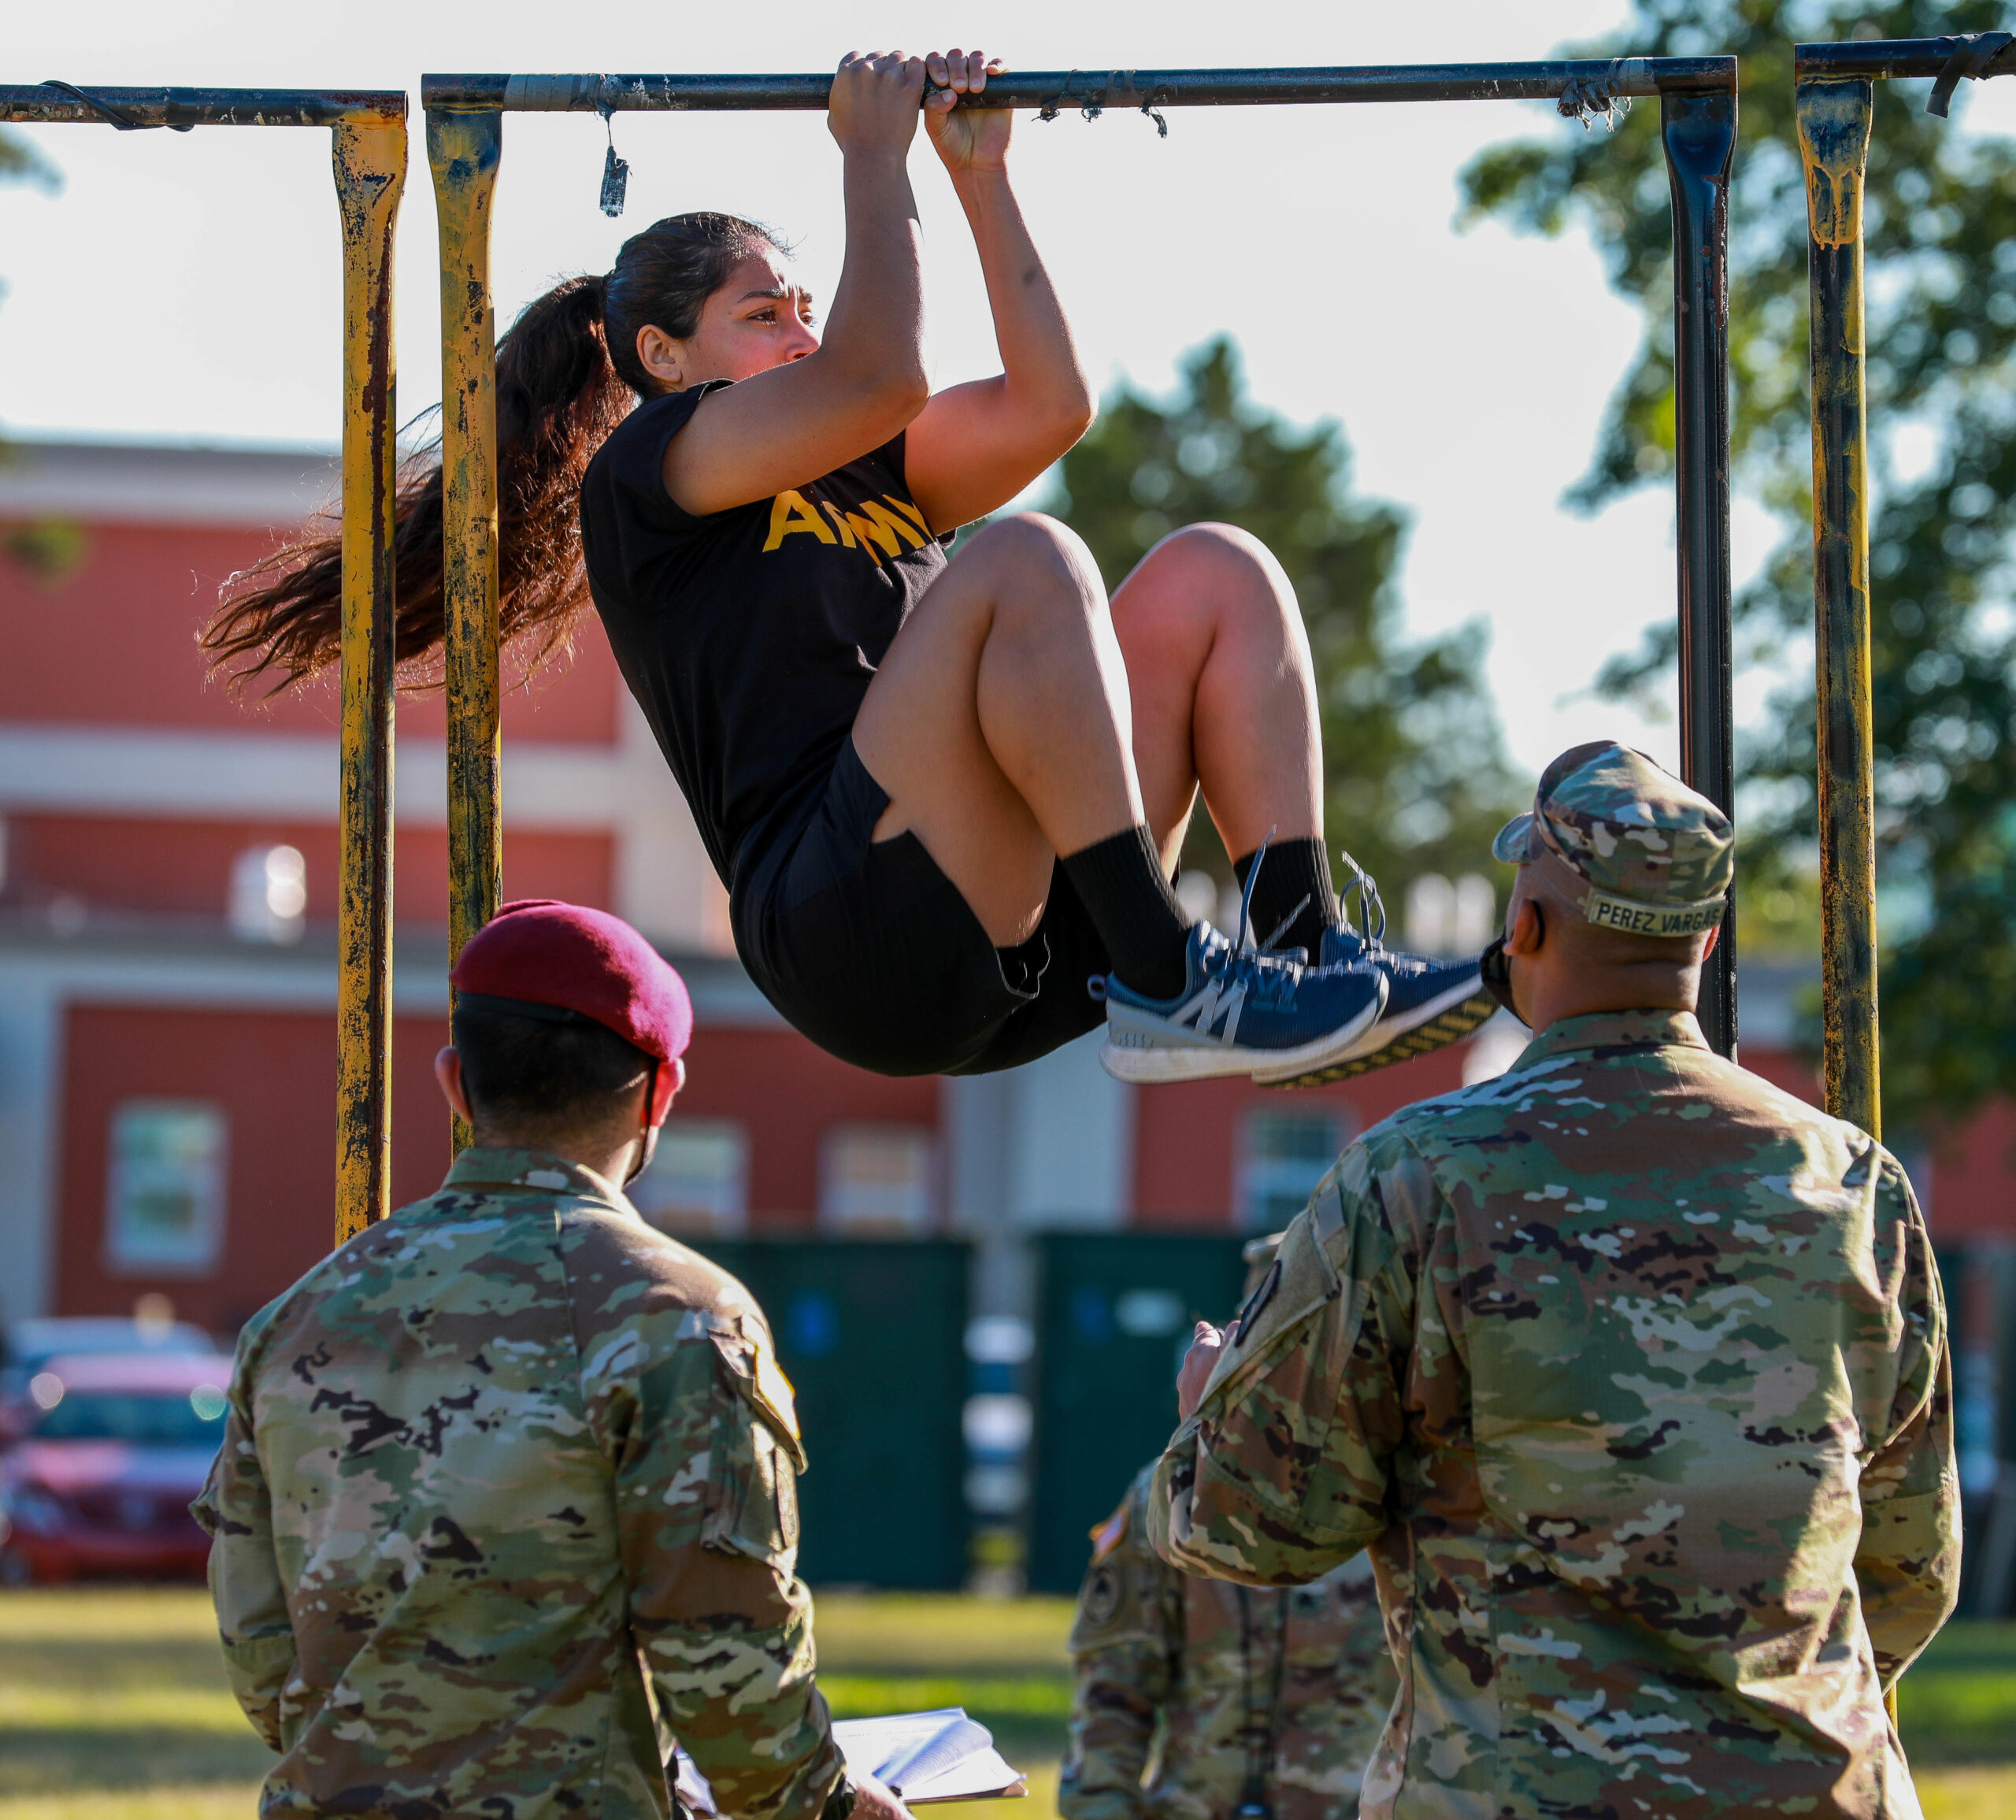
x=103, y=1453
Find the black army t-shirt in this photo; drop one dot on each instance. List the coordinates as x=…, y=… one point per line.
x=749, y=636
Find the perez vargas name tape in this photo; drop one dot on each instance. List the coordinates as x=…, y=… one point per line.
x=1605, y=912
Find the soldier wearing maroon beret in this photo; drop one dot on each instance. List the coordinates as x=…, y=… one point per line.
x=511, y=1454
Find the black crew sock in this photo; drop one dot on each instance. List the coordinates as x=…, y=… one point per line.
x=1294, y=872
x=1121, y=882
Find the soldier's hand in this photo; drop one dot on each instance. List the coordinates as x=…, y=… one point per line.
x=1198, y=1364
x=874, y=1800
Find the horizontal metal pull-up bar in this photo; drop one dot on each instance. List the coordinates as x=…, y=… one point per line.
x=369, y=137
x=465, y=134
x=1621, y=77
x=1877, y=56
x=61, y=104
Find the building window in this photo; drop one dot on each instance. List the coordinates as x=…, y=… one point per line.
x=875, y=1180
x=1282, y=1156
x=166, y=1188
x=1446, y=916
x=269, y=894
x=697, y=1184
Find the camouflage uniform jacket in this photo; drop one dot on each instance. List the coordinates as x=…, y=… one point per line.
x=1632, y=1370
x=1288, y=1687
x=499, y=1463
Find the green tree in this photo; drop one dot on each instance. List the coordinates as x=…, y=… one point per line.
x=20, y=163
x=1941, y=230
x=1415, y=774
x=47, y=549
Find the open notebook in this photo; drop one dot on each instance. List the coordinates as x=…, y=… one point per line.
x=926, y=1757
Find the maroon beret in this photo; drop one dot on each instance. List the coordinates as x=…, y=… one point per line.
x=564, y=957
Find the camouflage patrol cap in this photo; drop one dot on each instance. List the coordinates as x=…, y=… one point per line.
x=1633, y=847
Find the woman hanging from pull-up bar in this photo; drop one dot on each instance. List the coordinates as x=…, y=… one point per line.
x=946, y=791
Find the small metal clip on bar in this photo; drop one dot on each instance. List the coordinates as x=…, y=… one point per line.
x=1979, y=54
x=615, y=171
x=116, y=117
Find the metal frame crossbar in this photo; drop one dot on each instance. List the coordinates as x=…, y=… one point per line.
x=465, y=138
x=369, y=132
x=1050, y=91
x=1835, y=100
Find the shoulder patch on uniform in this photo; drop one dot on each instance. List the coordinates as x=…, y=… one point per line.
x=1108, y=1536
x=1303, y=1278
x=1261, y=1295
x=755, y=1370
x=775, y=1394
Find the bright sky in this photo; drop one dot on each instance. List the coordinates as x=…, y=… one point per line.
x=185, y=286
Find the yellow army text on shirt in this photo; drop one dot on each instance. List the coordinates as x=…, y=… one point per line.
x=1632, y=1370
x=1230, y=1691
x=490, y=1468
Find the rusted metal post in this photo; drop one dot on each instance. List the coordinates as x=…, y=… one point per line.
x=463, y=148
x=1833, y=143
x=370, y=170
x=1699, y=130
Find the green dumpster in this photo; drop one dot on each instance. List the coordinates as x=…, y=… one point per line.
x=1115, y=1314
x=871, y=1334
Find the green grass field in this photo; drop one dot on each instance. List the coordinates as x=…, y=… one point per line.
x=114, y=1707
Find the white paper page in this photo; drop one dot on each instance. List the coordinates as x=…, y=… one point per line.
x=880, y=1745
x=691, y=1785
x=984, y=1774
x=958, y=1740
x=941, y=1756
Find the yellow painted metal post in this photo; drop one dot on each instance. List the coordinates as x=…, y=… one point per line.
x=463, y=149
x=1833, y=137
x=370, y=170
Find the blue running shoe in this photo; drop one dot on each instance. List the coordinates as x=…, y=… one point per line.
x=1239, y=1010
x=1429, y=1003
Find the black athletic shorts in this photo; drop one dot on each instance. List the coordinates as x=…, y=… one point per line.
x=867, y=948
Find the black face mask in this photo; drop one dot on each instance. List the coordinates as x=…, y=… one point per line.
x=644, y=1137
x=1497, y=974
x=1496, y=968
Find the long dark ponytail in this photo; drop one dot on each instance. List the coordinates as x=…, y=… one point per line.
x=567, y=374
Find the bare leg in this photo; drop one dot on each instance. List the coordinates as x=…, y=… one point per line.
x=1223, y=690
x=1015, y=718
x=999, y=722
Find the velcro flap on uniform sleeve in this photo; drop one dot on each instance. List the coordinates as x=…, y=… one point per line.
x=1303, y=1278
x=753, y=1368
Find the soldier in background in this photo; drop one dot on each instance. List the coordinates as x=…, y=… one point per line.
x=1259, y=1702
x=1630, y=1370
x=510, y=1454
